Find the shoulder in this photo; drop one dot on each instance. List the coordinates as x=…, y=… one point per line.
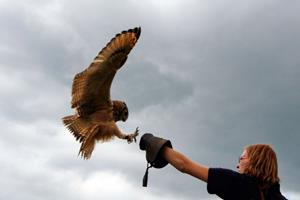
x=274, y=193
x=222, y=175
x=229, y=184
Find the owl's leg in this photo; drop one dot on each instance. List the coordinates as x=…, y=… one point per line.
x=129, y=137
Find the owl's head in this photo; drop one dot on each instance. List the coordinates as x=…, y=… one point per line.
x=120, y=110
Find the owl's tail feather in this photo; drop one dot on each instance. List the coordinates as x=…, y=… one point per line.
x=77, y=126
x=84, y=131
x=88, y=144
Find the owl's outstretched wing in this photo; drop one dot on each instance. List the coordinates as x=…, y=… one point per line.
x=91, y=88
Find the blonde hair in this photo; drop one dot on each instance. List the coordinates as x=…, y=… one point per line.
x=262, y=164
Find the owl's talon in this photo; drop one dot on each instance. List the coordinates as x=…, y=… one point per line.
x=132, y=137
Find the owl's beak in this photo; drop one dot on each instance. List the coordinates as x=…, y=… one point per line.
x=124, y=119
x=124, y=116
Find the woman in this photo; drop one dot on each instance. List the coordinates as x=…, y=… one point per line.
x=257, y=176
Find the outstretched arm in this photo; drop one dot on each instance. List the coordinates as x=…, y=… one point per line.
x=184, y=164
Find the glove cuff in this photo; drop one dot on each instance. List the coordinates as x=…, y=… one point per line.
x=153, y=146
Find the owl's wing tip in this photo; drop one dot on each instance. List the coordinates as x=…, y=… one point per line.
x=137, y=31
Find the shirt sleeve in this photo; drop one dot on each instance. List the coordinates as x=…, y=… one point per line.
x=223, y=182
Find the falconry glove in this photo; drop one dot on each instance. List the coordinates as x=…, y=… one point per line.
x=153, y=147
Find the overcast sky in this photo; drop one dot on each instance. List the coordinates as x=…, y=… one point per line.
x=212, y=76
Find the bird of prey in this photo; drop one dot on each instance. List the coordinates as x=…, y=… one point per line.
x=96, y=114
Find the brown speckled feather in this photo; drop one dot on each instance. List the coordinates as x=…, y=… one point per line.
x=93, y=84
x=94, y=119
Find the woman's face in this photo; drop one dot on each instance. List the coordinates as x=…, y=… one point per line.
x=243, y=161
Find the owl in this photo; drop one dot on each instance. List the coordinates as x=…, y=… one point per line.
x=95, y=113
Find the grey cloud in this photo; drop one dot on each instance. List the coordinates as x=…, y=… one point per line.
x=138, y=84
x=212, y=77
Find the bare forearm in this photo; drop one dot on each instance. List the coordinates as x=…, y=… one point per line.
x=185, y=165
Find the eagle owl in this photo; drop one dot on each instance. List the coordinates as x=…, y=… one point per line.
x=96, y=114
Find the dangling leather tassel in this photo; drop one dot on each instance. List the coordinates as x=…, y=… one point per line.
x=145, y=178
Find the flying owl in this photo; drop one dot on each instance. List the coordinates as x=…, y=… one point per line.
x=96, y=114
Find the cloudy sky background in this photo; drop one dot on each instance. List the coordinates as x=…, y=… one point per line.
x=212, y=76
